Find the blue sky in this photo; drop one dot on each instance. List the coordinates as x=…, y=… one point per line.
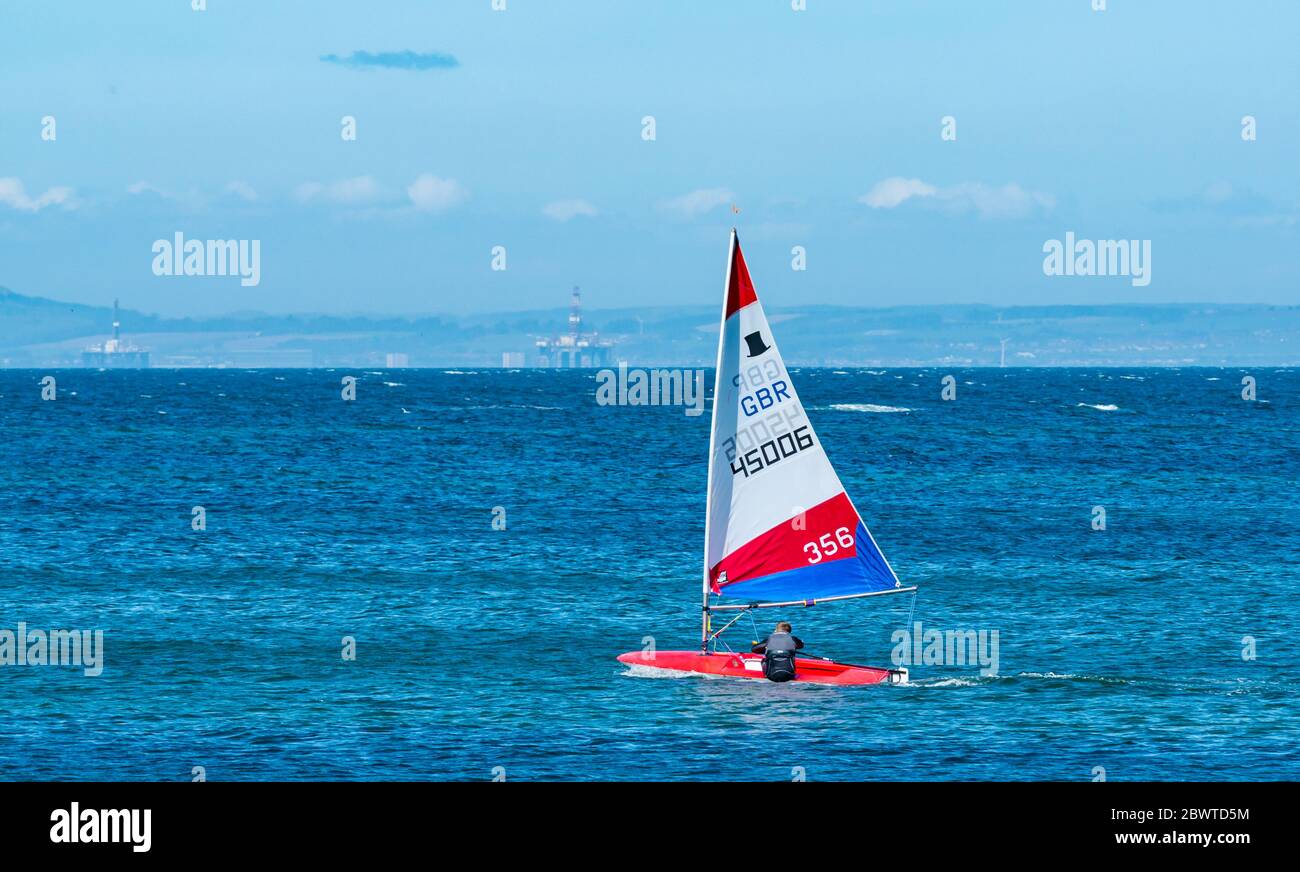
x=523, y=128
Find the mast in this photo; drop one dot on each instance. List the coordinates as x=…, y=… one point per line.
x=717, y=392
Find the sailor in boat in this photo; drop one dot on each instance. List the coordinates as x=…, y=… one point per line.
x=778, y=652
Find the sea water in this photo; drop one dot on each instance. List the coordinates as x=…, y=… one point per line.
x=432, y=581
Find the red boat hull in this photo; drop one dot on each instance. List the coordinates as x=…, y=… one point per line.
x=751, y=666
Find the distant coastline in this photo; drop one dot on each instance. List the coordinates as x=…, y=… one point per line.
x=39, y=332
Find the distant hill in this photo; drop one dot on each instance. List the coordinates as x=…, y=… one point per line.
x=36, y=332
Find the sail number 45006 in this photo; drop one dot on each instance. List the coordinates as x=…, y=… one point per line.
x=828, y=547
x=772, y=451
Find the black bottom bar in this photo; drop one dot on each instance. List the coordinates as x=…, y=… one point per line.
x=334, y=821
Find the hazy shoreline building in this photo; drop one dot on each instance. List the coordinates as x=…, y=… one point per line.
x=115, y=353
x=575, y=348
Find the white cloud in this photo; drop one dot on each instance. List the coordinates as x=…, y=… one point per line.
x=1005, y=201
x=894, y=191
x=428, y=192
x=142, y=187
x=308, y=191
x=14, y=195
x=564, y=210
x=242, y=190
x=700, y=201
x=362, y=189
x=433, y=194
x=192, y=199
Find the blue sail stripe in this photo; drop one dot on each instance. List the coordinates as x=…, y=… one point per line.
x=865, y=572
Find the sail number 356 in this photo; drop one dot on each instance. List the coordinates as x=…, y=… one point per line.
x=827, y=546
x=772, y=451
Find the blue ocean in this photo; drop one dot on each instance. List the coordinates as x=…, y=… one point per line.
x=1163, y=646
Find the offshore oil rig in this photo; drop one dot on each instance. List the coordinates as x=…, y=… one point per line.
x=114, y=353
x=575, y=348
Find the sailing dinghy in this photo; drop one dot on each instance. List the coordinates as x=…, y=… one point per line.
x=779, y=532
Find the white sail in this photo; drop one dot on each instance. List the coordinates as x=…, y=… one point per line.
x=780, y=526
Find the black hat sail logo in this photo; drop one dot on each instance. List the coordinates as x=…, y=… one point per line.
x=756, y=344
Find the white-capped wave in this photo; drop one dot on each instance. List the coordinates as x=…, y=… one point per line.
x=866, y=407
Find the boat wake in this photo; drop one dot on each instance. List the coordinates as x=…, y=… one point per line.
x=637, y=670
x=983, y=680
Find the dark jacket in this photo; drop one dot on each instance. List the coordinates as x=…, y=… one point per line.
x=778, y=642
